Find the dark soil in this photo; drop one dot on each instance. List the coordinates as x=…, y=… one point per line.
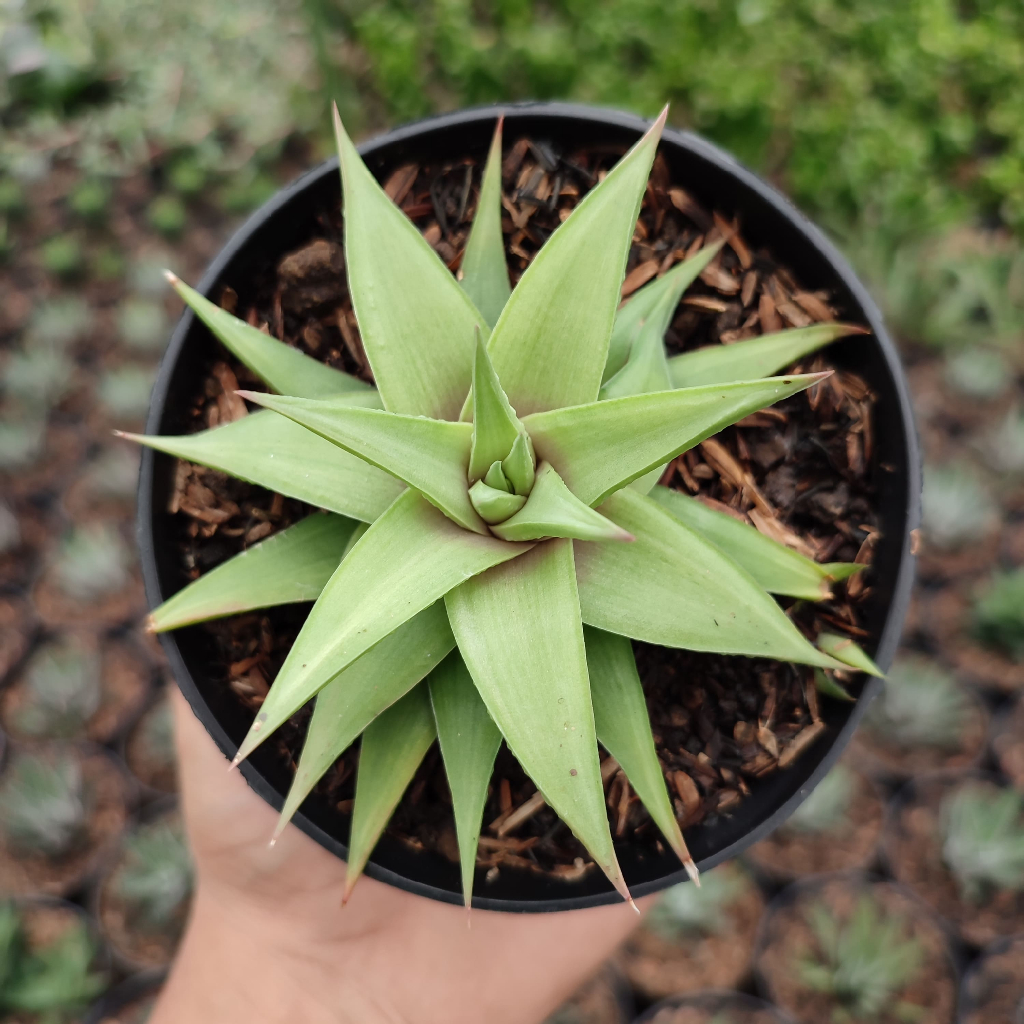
x=22, y=875
x=1008, y=744
x=995, y=987
x=658, y=967
x=786, y=938
x=788, y=853
x=711, y=1008
x=913, y=847
x=801, y=471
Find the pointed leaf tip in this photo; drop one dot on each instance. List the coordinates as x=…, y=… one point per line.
x=171, y=277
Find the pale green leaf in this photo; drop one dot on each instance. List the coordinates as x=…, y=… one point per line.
x=827, y=685
x=843, y=649
x=755, y=357
x=293, y=565
x=285, y=369
x=429, y=455
x=646, y=369
x=778, y=569
x=272, y=451
x=357, y=695
x=624, y=730
x=416, y=322
x=600, y=447
x=495, y=424
x=411, y=556
x=393, y=746
x=484, y=273
x=552, y=510
x=640, y=307
x=469, y=742
x=551, y=342
x=495, y=477
x=520, y=467
x=672, y=587
x=492, y=504
x=518, y=630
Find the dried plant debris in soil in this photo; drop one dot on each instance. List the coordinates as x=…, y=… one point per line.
x=801, y=472
x=995, y=987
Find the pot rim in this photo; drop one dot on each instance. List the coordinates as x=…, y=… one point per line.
x=745, y=180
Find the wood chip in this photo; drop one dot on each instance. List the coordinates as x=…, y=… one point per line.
x=817, y=310
x=639, y=276
x=772, y=527
x=767, y=739
x=400, y=181
x=688, y=792
x=800, y=743
x=687, y=205
x=721, y=280
x=231, y=406
x=521, y=814
x=731, y=234
x=729, y=469
x=705, y=302
x=793, y=314
x=770, y=320
x=749, y=287
x=182, y=471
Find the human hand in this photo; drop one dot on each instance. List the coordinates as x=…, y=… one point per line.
x=268, y=940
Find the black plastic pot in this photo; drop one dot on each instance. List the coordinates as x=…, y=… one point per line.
x=718, y=182
x=120, y=997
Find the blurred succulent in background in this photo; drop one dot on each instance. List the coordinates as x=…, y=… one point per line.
x=921, y=704
x=62, y=256
x=12, y=198
x=142, y=323
x=1004, y=448
x=826, y=809
x=21, y=441
x=60, y=321
x=167, y=215
x=125, y=391
x=38, y=375
x=956, y=506
x=863, y=963
x=92, y=561
x=687, y=911
x=187, y=173
x=147, y=275
x=54, y=980
x=576, y=408
x=90, y=200
x=978, y=372
x=983, y=839
x=113, y=474
x=999, y=613
x=156, y=735
x=153, y=879
x=60, y=691
x=44, y=804
x=10, y=528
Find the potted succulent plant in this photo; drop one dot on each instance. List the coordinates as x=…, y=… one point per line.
x=495, y=533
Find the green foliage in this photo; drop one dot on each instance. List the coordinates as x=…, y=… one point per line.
x=999, y=613
x=978, y=372
x=92, y=562
x=90, y=200
x=498, y=517
x=922, y=705
x=62, y=256
x=167, y=215
x=825, y=810
x=956, y=506
x=687, y=911
x=44, y=804
x=125, y=391
x=61, y=691
x=863, y=963
x=187, y=174
x=60, y=321
x=21, y=441
x=114, y=474
x=1004, y=448
x=142, y=324
x=12, y=198
x=54, y=980
x=153, y=878
x=983, y=839
x=39, y=375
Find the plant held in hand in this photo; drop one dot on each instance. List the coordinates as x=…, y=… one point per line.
x=495, y=531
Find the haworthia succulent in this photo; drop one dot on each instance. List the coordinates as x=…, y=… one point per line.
x=550, y=343
x=778, y=569
x=640, y=307
x=285, y=369
x=416, y=322
x=357, y=695
x=413, y=552
x=430, y=455
x=484, y=273
x=552, y=510
x=518, y=630
x=624, y=730
x=601, y=447
x=272, y=451
x=393, y=746
x=290, y=566
x=755, y=357
x=469, y=742
x=495, y=423
x=672, y=587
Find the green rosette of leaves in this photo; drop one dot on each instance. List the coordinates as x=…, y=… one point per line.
x=494, y=538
